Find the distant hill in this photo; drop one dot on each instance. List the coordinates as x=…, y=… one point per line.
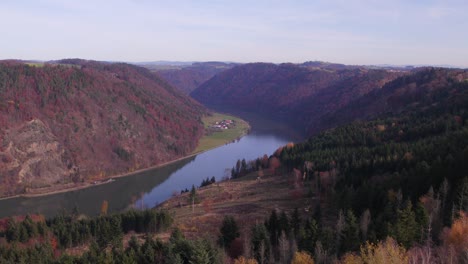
x=421, y=86
x=188, y=77
x=75, y=120
x=297, y=93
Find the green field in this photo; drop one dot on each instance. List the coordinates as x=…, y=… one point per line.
x=35, y=64
x=219, y=138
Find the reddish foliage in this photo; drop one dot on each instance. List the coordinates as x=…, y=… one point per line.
x=189, y=78
x=53, y=242
x=273, y=164
x=300, y=93
x=108, y=118
x=207, y=205
x=236, y=248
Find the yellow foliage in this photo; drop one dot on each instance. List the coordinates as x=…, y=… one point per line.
x=242, y=260
x=301, y=257
x=380, y=128
x=387, y=252
x=351, y=258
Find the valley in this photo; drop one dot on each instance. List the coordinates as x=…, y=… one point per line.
x=234, y=132
x=300, y=94
x=383, y=147
x=148, y=187
x=187, y=76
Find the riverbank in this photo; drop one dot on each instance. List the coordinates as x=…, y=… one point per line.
x=217, y=136
x=208, y=142
x=248, y=199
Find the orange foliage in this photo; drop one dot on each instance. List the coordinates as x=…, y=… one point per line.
x=302, y=258
x=243, y=260
x=236, y=248
x=351, y=258
x=274, y=163
x=104, y=207
x=278, y=151
x=458, y=233
x=53, y=243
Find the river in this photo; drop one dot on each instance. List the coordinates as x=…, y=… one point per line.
x=147, y=189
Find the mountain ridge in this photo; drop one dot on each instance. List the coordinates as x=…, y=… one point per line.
x=287, y=91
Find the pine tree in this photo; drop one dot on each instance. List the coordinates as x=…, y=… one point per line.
x=296, y=221
x=260, y=243
x=350, y=240
x=229, y=231
x=193, y=197
x=274, y=228
x=406, y=228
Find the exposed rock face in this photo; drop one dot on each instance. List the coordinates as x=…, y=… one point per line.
x=75, y=120
x=35, y=156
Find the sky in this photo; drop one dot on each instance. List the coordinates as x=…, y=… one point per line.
x=358, y=32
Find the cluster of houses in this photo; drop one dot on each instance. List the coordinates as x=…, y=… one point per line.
x=224, y=124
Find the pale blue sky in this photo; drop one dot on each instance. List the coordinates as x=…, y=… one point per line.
x=351, y=32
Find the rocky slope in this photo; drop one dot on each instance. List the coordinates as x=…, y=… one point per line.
x=74, y=120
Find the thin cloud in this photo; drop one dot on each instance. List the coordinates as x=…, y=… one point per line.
x=356, y=32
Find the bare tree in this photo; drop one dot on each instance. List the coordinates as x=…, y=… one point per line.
x=321, y=255
x=340, y=224
x=364, y=223
x=444, y=189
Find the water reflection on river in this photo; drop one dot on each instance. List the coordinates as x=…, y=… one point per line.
x=151, y=187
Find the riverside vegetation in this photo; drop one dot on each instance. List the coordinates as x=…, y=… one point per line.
x=73, y=121
x=391, y=188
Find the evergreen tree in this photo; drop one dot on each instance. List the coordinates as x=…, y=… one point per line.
x=350, y=240
x=406, y=229
x=193, y=197
x=274, y=229
x=260, y=243
x=12, y=233
x=229, y=231
x=296, y=221
x=284, y=224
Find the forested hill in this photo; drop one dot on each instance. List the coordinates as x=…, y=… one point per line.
x=76, y=120
x=188, y=78
x=424, y=86
x=393, y=187
x=299, y=93
x=404, y=174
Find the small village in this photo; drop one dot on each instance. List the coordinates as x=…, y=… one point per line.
x=223, y=124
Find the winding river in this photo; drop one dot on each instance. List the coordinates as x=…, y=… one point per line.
x=147, y=189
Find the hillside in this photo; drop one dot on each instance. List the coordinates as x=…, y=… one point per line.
x=72, y=121
x=188, y=77
x=422, y=87
x=300, y=94
x=402, y=174
x=392, y=187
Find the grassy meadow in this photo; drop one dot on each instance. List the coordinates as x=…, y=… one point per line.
x=213, y=139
